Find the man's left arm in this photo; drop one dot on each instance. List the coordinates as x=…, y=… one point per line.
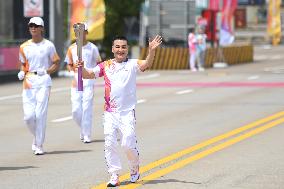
x=54, y=67
x=153, y=45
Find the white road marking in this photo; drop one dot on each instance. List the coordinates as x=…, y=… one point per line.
x=19, y=96
x=277, y=69
x=253, y=77
x=260, y=57
x=60, y=89
x=62, y=119
x=266, y=47
x=184, y=91
x=10, y=97
x=276, y=57
x=141, y=101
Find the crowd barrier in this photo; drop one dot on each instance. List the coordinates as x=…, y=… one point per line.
x=177, y=58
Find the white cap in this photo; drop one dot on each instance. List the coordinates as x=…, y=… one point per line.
x=37, y=20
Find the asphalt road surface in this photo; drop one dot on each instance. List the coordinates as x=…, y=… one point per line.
x=217, y=129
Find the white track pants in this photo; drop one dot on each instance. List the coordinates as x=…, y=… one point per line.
x=35, y=104
x=123, y=123
x=192, y=61
x=82, y=108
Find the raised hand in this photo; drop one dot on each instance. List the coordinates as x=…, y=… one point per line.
x=153, y=44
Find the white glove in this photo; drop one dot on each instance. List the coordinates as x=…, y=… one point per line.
x=41, y=72
x=21, y=75
x=72, y=73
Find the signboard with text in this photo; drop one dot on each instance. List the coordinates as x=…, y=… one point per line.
x=33, y=8
x=251, y=2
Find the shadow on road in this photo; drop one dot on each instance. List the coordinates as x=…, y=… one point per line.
x=67, y=152
x=97, y=141
x=15, y=168
x=169, y=181
x=160, y=181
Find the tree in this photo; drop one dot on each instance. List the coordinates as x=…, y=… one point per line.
x=117, y=11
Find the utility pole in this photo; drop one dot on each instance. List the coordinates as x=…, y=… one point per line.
x=56, y=27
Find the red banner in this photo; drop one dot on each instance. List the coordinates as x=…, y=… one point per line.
x=226, y=33
x=214, y=4
x=9, y=59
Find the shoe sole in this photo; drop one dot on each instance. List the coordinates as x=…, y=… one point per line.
x=39, y=154
x=136, y=179
x=111, y=185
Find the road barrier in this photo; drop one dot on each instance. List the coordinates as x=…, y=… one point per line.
x=177, y=58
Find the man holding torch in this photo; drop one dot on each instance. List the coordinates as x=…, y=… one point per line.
x=82, y=91
x=120, y=99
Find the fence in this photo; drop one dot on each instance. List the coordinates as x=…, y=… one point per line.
x=177, y=58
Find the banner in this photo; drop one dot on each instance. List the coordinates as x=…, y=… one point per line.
x=9, y=59
x=201, y=4
x=33, y=8
x=226, y=33
x=214, y=4
x=91, y=12
x=274, y=21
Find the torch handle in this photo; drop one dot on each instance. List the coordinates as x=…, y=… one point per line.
x=79, y=29
x=80, y=80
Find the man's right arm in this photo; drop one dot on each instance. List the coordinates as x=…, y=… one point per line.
x=86, y=74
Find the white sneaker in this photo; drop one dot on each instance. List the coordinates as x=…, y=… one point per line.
x=33, y=147
x=86, y=139
x=201, y=69
x=38, y=151
x=114, y=181
x=134, y=174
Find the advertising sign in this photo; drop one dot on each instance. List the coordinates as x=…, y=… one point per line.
x=91, y=12
x=33, y=8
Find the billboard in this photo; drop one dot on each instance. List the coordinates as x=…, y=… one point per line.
x=9, y=59
x=33, y=8
x=91, y=12
x=251, y=2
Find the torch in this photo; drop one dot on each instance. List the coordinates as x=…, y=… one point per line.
x=79, y=29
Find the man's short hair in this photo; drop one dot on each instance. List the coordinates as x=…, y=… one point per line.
x=119, y=37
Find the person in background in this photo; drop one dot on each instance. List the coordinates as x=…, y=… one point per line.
x=192, y=49
x=201, y=48
x=120, y=100
x=38, y=59
x=82, y=101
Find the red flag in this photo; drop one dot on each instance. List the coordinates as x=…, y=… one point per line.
x=226, y=33
x=214, y=4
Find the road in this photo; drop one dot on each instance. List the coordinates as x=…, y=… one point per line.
x=218, y=129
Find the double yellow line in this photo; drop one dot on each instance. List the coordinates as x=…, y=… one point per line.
x=242, y=133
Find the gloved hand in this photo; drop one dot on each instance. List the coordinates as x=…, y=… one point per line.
x=41, y=72
x=72, y=73
x=21, y=75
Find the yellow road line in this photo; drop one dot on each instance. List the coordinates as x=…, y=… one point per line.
x=202, y=154
x=198, y=146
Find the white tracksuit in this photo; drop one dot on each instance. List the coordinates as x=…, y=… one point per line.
x=119, y=114
x=82, y=102
x=35, y=56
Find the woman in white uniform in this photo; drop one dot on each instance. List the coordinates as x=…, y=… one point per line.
x=38, y=59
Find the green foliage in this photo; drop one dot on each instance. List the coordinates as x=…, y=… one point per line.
x=116, y=12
